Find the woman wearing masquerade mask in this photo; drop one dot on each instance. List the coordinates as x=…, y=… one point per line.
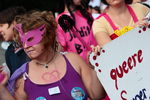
x=49, y=75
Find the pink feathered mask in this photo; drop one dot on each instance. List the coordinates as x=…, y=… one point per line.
x=31, y=37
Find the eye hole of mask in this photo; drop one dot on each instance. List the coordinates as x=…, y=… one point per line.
x=41, y=29
x=30, y=39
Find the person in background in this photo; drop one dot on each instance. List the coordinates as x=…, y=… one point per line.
x=121, y=16
x=50, y=75
x=14, y=55
x=82, y=20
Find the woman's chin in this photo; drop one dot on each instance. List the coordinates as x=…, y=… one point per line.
x=32, y=56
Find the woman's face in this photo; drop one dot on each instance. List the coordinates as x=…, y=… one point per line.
x=34, y=51
x=7, y=31
x=32, y=41
x=77, y=2
x=115, y=2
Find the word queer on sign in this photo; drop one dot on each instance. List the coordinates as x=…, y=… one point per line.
x=123, y=66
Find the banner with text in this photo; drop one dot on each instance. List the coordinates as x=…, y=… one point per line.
x=123, y=66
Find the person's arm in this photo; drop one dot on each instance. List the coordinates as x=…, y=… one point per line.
x=100, y=30
x=91, y=82
x=19, y=91
x=88, y=75
x=141, y=11
x=4, y=94
x=102, y=38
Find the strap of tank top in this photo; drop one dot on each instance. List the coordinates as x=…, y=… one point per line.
x=25, y=75
x=132, y=13
x=67, y=61
x=65, y=58
x=110, y=21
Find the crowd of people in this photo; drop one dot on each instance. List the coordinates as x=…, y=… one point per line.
x=48, y=55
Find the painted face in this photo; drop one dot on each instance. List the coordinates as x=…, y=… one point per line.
x=7, y=31
x=31, y=37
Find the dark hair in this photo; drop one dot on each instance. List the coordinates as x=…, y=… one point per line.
x=8, y=15
x=126, y=1
x=82, y=8
x=85, y=3
x=35, y=19
x=97, y=9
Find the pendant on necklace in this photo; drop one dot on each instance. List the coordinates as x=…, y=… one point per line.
x=46, y=65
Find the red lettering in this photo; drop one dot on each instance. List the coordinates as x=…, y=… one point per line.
x=120, y=75
x=139, y=56
x=134, y=60
x=123, y=92
x=114, y=77
x=129, y=63
x=126, y=66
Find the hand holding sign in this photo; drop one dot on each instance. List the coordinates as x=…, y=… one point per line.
x=123, y=66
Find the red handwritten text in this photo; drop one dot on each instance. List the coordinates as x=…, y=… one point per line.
x=126, y=67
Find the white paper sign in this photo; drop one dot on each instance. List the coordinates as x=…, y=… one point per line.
x=123, y=66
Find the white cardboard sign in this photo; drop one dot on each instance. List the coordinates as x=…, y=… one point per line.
x=123, y=66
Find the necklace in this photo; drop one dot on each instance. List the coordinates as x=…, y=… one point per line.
x=46, y=65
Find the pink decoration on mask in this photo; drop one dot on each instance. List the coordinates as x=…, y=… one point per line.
x=33, y=36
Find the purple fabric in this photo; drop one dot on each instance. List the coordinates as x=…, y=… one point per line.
x=70, y=80
x=32, y=37
x=14, y=77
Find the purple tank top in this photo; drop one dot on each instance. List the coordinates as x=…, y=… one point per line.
x=70, y=87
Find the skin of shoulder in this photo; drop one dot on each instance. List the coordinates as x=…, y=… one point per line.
x=101, y=25
x=101, y=31
x=88, y=76
x=75, y=61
